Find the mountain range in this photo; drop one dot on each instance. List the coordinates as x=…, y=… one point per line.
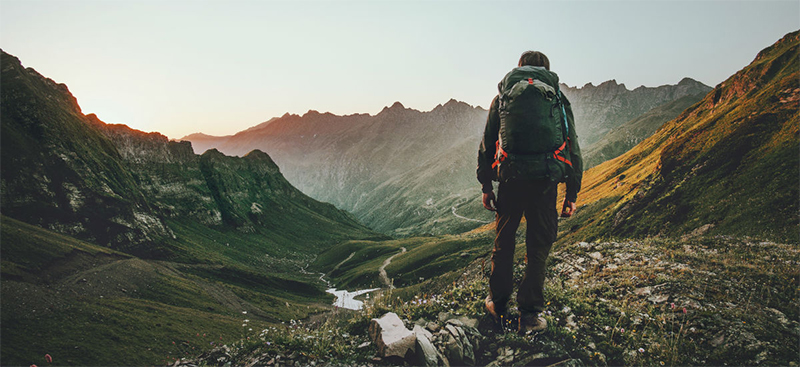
x=122, y=247
x=405, y=172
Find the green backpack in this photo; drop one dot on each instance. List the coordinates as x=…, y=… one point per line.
x=533, y=138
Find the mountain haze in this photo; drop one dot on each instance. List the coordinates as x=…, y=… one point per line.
x=406, y=172
x=599, y=109
x=624, y=137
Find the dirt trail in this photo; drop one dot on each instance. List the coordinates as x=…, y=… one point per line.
x=469, y=219
x=343, y=261
x=382, y=269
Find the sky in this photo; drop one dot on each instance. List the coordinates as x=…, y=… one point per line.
x=219, y=67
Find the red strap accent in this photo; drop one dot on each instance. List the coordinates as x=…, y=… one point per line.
x=560, y=158
x=530, y=80
x=500, y=154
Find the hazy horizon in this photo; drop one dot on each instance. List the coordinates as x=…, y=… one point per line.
x=180, y=67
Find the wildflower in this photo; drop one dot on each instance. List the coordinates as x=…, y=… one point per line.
x=49, y=359
x=684, y=310
x=622, y=330
x=672, y=306
x=641, y=350
x=244, y=312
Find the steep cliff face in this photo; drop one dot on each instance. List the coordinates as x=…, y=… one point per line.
x=599, y=109
x=61, y=173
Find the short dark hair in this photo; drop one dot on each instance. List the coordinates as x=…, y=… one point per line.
x=534, y=58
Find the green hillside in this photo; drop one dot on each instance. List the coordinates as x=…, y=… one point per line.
x=121, y=247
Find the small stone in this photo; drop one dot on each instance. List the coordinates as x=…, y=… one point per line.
x=658, y=298
x=644, y=291
x=433, y=327
x=718, y=340
x=596, y=255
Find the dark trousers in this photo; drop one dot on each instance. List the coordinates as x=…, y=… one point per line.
x=537, y=201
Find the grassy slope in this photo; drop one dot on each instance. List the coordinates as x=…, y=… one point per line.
x=86, y=304
x=729, y=162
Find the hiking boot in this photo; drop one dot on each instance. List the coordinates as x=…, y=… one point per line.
x=531, y=322
x=494, y=310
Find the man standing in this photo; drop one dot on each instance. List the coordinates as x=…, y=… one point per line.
x=529, y=146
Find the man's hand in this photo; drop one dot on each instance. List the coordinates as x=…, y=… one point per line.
x=566, y=211
x=489, y=201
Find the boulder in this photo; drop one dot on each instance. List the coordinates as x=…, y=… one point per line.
x=426, y=353
x=391, y=336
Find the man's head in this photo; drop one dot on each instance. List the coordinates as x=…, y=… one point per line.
x=534, y=58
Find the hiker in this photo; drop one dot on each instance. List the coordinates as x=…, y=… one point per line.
x=529, y=146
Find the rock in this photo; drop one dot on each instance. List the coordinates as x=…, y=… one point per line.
x=363, y=345
x=433, y=327
x=453, y=348
x=571, y=324
x=420, y=330
x=644, y=291
x=718, y=340
x=391, y=336
x=464, y=254
x=464, y=321
x=426, y=353
x=463, y=350
x=596, y=255
x=658, y=298
x=444, y=316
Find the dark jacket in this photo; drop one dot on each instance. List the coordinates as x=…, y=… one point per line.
x=486, y=152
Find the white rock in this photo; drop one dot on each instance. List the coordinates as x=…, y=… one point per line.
x=391, y=336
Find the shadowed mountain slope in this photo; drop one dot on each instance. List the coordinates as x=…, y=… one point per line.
x=117, y=243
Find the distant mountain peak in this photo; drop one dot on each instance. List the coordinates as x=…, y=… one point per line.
x=395, y=107
x=688, y=81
